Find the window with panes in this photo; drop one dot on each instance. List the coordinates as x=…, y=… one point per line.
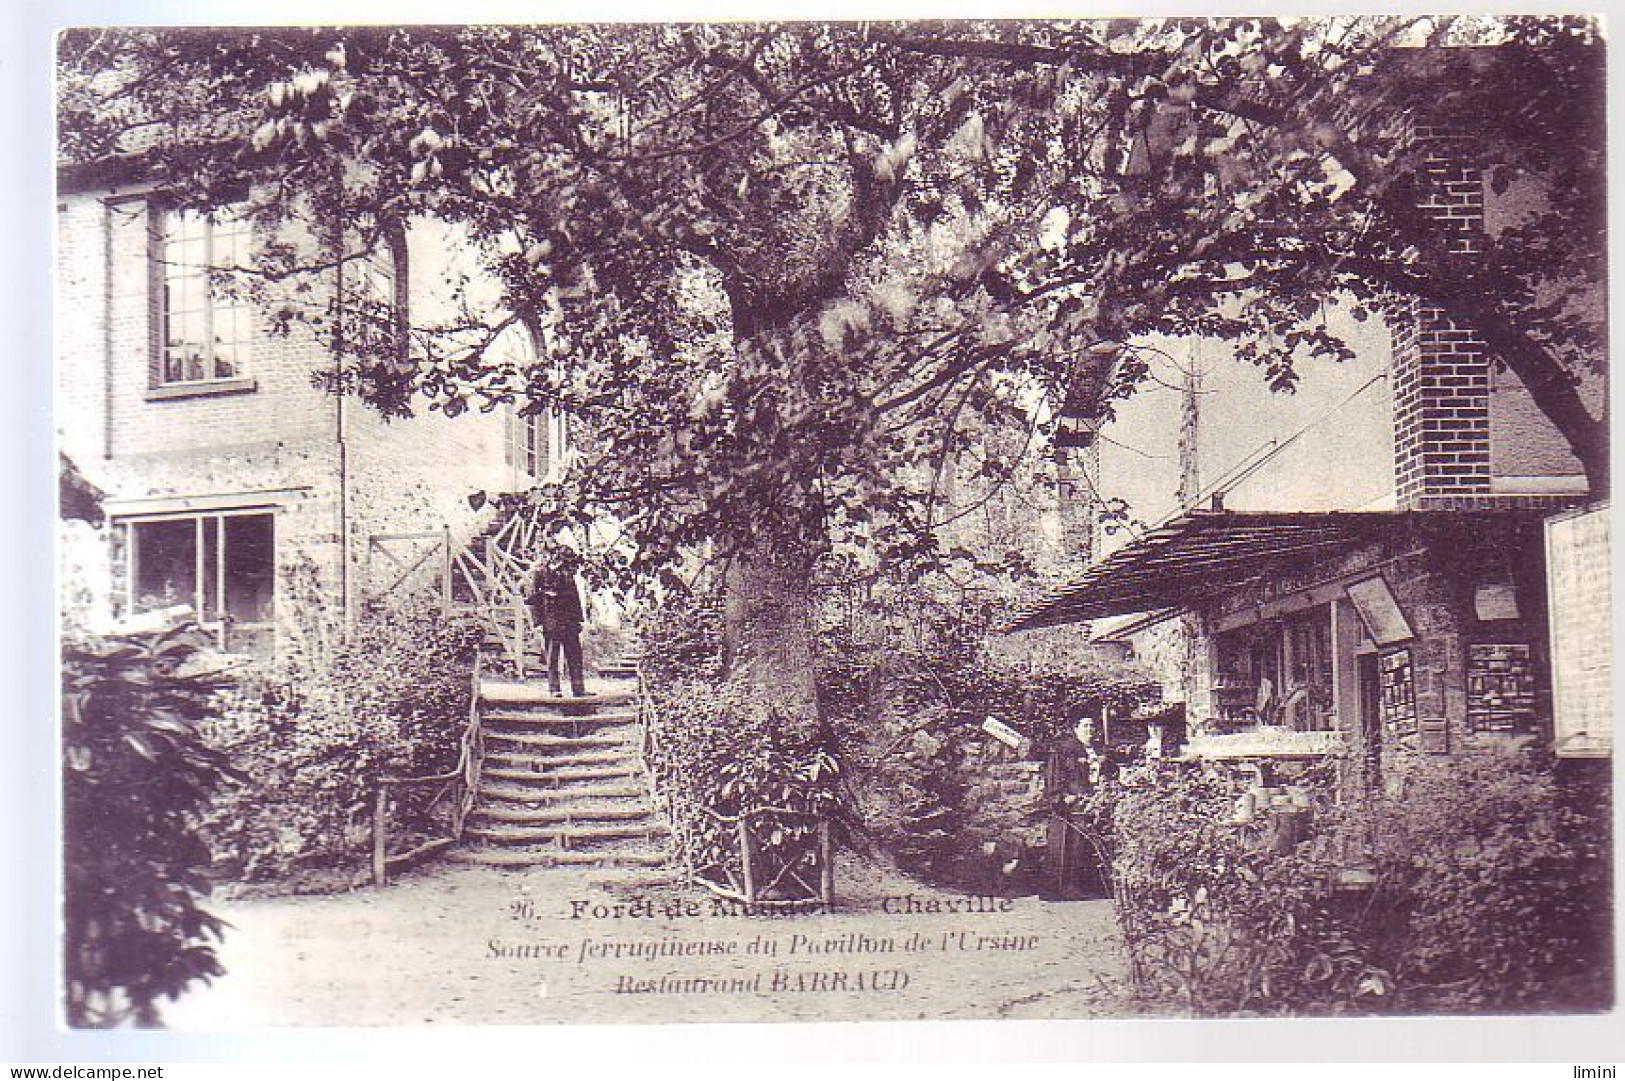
x=205, y=333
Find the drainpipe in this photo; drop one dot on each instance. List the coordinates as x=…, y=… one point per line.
x=107, y=326
x=341, y=434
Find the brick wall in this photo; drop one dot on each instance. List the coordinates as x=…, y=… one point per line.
x=1077, y=485
x=266, y=444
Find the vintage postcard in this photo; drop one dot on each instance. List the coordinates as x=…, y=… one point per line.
x=832, y=521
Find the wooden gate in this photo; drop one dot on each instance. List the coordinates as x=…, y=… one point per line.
x=403, y=564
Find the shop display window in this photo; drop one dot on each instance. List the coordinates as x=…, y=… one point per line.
x=1277, y=673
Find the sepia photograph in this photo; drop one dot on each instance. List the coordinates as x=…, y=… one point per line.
x=587, y=523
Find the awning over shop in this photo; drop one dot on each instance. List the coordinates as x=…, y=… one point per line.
x=1203, y=553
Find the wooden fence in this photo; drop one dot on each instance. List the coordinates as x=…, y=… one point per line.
x=454, y=790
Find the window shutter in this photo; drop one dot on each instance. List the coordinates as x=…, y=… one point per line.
x=512, y=437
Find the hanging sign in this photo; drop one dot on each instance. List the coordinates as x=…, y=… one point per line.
x=1383, y=618
x=1008, y=736
x=1579, y=611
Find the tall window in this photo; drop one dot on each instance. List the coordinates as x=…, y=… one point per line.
x=536, y=441
x=206, y=334
x=377, y=300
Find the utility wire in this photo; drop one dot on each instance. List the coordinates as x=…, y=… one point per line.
x=1254, y=461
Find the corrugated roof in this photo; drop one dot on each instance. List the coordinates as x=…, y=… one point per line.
x=1203, y=553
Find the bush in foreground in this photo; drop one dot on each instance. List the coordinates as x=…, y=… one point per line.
x=136, y=773
x=313, y=735
x=1473, y=887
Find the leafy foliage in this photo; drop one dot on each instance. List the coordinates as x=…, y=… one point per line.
x=1502, y=875
x=714, y=761
x=785, y=271
x=1483, y=892
x=312, y=739
x=1217, y=923
x=136, y=775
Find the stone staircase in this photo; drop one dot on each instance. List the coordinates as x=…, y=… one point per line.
x=563, y=781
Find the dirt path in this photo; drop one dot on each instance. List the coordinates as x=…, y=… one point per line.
x=466, y=945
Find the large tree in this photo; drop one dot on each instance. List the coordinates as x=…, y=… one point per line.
x=784, y=269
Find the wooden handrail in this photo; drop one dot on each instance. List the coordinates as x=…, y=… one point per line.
x=470, y=761
x=750, y=812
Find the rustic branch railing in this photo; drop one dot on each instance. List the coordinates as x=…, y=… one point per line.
x=460, y=786
x=771, y=875
x=785, y=873
x=493, y=580
x=657, y=795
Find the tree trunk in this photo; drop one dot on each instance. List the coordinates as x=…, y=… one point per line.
x=768, y=637
x=767, y=589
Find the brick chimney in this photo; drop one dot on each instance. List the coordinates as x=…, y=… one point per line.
x=1441, y=371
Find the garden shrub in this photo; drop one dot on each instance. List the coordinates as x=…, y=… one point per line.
x=903, y=719
x=1215, y=923
x=136, y=773
x=1484, y=893
x=314, y=733
x=711, y=758
x=1500, y=886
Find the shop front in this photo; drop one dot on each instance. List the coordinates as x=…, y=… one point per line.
x=1339, y=639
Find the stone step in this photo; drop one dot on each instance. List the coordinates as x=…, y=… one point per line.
x=635, y=879
x=533, y=786
x=574, y=774
x=532, y=856
x=552, y=764
x=568, y=837
x=541, y=716
x=543, y=789
x=542, y=742
x=562, y=814
x=519, y=732
x=512, y=692
x=607, y=791
x=550, y=759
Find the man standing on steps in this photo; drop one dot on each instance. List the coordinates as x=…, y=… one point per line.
x=555, y=607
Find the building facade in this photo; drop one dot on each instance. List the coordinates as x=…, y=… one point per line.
x=1365, y=604
x=232, y=484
